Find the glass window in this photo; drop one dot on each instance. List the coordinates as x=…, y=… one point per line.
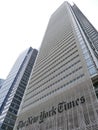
x=96, y=94
x=2, y=116
x=86, y=56
x=96, y=85
x=85, y=50
x=89, y=62
x=92, y=70
x=83, y=45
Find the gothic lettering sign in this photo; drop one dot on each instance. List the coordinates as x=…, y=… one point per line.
x=61, y=107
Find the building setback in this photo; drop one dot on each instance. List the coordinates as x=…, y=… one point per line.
x=13, y=88
x=61, y=91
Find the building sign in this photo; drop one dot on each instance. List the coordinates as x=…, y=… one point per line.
x=61, y=107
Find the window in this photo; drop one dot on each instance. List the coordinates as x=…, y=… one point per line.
x=12, y=110
x=92, y=70
x=89, y=62
x=86, y=56
x=96, y=88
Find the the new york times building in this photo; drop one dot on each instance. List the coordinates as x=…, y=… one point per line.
x=62, y=91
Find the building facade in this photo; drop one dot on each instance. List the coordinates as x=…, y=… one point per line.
x=12, y=91
x=1, y=82
x=61, y=91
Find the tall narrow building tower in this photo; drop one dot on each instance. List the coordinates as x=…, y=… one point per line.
x=13, y=88
x=61, y=91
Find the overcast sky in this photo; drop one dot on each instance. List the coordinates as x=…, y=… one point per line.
x=23, y=24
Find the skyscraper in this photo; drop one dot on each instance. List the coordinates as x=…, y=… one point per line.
x=13, y=88
x=1, y=82
x=61, y=90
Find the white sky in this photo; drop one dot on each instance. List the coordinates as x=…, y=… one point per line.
x=23, y=24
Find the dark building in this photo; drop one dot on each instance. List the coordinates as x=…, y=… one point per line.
x=61, y=91
x=14, y=87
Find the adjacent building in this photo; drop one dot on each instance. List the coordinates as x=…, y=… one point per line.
x=1, y=82
x=13, y=88
x=61, y=91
